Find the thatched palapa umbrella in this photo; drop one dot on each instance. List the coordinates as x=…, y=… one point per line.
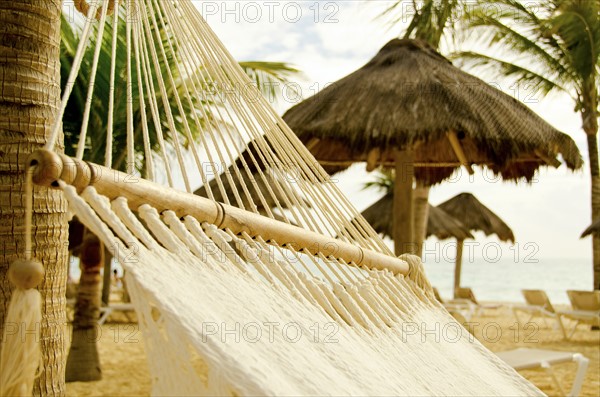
x=410, y=107
x=439, y=223
x=476, y=217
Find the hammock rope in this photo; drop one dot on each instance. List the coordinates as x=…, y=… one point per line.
x=376, y=315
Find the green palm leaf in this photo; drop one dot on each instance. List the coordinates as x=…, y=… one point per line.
x=266, y=76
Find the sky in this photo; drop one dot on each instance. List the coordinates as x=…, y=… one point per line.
x=327, y=40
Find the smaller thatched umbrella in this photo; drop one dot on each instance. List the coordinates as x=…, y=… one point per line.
x=439, y=223
x=476, y=217
x=594, y=228
x=256, y=187
x=263, y=191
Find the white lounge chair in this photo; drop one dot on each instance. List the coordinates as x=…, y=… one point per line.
x=586, y=310
x=106, y=311
x=466, y=294
x=523, y=358
x=538, y=304
x=464, y=308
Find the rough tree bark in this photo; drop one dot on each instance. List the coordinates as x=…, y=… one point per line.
x=589, y=115
x=595, y=192
x=29, y=100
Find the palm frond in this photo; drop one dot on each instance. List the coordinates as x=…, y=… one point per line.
x=430, y=19
x=167, y=65
x=396, y=11
x=519, y=73
x=492, y=30
x=576, y=25
x=559, y=40
x=384, y=180
x=269, y=76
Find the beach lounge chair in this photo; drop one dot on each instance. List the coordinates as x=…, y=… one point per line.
x=585, y=310
x=464, y=308
x=538, y=304
x=106, y=311
x=523, y=358
x=465, y=294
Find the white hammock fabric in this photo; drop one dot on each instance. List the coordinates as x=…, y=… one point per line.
x=216, y=323
x=227, y=314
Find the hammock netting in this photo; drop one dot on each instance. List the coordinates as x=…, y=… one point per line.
x=242, y=310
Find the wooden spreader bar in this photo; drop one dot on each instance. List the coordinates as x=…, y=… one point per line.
x=51, y=167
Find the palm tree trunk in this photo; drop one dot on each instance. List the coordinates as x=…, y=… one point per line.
x=421, y=209
x=595, y=181
x=589, y=115
x=403, y=203
x=29, y=100
x=107, y=277
x=458, y=266
x=83, y=363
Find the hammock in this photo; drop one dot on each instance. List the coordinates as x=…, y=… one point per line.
x=280, y=289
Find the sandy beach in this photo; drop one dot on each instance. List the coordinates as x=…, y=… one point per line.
x=125, y=372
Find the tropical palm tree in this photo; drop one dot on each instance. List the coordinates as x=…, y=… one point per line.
x=556, y=47
x=83, y=353
x=430, y=21
x=29, y=99
x=266, y=75
x=83, y=362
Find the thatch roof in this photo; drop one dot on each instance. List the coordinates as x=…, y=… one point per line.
x=477, y=217
x=409, y=94
x=594, y=228
x=439, y=223
x=254, y=185
x=250, y=177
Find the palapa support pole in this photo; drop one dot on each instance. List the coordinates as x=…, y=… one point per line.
x=421, y=214
x=52, y=167
x=312, y=143
x=458, y=266
x=460, y=153
x=551, y=161
x=403, y=226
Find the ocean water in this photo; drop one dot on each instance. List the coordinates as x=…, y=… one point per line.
x=492, y=278
x=502, y=279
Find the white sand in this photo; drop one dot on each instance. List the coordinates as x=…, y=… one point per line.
x=125, y=372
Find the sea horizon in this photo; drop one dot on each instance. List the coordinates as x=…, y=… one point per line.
x=503, y=279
